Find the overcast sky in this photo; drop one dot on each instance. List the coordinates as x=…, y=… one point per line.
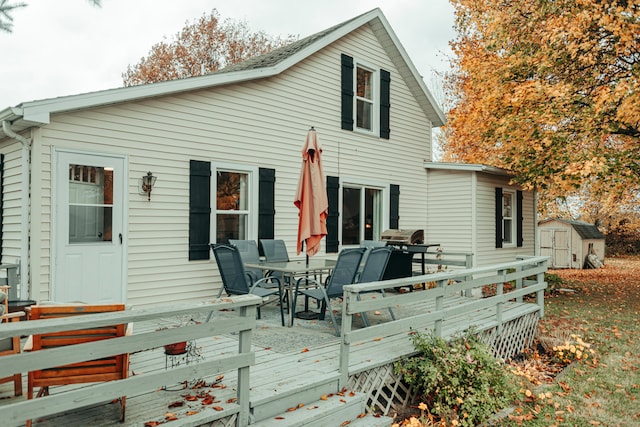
x=67, y=47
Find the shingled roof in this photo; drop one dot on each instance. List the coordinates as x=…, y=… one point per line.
x=278, y=55
x=584, y=229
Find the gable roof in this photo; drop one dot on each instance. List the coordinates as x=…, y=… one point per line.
x=36, y=113
x=584, y=229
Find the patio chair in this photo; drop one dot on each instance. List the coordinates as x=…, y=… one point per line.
x=274, y=250
x=249, y=253
x=344, y=273
x=10, y=345
x=105, y=369
x=236, y=280
x=373, y=271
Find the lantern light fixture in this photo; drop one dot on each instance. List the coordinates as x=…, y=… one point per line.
x=148, y=181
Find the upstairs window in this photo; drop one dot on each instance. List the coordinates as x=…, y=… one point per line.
x=366, y=95
x=364, y=98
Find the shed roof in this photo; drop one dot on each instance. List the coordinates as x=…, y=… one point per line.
x=37, y=113
x=584, y=229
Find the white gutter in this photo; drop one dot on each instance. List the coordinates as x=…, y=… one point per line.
x=24, y=224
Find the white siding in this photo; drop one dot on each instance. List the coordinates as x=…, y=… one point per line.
x=261, y=123
x=450, y=210
x=486, y=252
x=11, y=203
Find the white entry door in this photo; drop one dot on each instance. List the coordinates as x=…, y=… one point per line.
x=88, y=259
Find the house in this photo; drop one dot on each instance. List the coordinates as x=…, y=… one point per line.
x=569, y=242
x=225, y=149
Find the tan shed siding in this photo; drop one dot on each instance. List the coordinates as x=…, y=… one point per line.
x=260, y=123
x=486, y=250
x=450, y=215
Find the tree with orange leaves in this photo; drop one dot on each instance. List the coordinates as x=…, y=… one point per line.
x=550, y=90
x=202, y=47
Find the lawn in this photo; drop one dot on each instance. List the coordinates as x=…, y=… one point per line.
x=602, y=308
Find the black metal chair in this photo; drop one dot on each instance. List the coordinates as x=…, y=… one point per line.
x=249, y=253
x=373, y=271
x=344, y=273
x=274, y=250
x=236, y=281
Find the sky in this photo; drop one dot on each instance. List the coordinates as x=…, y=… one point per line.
x=68, y=47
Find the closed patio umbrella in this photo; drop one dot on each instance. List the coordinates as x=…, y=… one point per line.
x=311, y=197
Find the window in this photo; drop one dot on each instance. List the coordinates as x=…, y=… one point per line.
x=90, y=204
x=361, y=214
x=364, y=98
x=508, y=214
x=509, y=218
x=235, y=208
x=245, y=207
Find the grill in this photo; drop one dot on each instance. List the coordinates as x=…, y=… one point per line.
x=405, y=243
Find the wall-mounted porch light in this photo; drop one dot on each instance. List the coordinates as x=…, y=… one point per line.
x=148, y=181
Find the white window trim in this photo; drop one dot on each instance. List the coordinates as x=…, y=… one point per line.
x=375, y=120
x=513, y=217
x=254, y=182
x=385, y=188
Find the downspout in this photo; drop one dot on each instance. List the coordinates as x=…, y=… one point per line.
x=24, y=225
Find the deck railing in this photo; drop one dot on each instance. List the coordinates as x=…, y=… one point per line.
x=239, y=317
x=526, y=275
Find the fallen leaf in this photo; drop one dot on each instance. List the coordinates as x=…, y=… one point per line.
x=304, y=350
x=218, y=408
x=192, y=412
x=176, y=404
x=151, y=424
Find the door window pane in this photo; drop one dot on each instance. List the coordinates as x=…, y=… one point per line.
x=361, y=214
x=350, y=216
x=90, y=204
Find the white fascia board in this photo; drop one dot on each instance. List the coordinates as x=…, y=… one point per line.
x=413, y=70
x=39, y=111
x=469, y=167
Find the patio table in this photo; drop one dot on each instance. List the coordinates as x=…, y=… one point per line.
x=295, y=270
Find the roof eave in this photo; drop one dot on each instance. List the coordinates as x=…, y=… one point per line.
x=468, y=167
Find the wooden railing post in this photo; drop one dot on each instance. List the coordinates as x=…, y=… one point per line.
x=439, y=306
x=540, y=294
x=347, y=320
x=244, y=346
x=519, y=282
x=500, y=303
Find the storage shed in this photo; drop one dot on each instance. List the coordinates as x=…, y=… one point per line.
x=569, y=242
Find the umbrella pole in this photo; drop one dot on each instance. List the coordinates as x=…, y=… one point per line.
x=306, y=314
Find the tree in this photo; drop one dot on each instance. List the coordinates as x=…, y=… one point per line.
x=550, y=89
x=200, y=48
x=6, y=20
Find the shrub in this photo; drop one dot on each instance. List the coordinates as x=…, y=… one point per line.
x=460, y=381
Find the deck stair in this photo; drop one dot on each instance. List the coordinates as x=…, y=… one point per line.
x=334, y=409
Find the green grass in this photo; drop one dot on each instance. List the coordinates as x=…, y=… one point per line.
x=602, y=307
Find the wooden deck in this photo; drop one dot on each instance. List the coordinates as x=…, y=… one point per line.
x=306, y=372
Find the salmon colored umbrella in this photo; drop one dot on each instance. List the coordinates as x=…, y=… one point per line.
x=311, y=197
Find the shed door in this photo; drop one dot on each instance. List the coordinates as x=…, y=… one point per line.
x=88, y=254
x=554, y=243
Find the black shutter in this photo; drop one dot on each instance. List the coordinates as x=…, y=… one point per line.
x=385, y=103
x=394, y=207
x=266, y=203
x=519, y=218
x=498, y=217
x=199, y=209
x=1, y=203
x=347, y=92
x=333, y=188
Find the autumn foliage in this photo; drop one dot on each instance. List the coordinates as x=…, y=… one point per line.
x=206, y=45
x=550, y=90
